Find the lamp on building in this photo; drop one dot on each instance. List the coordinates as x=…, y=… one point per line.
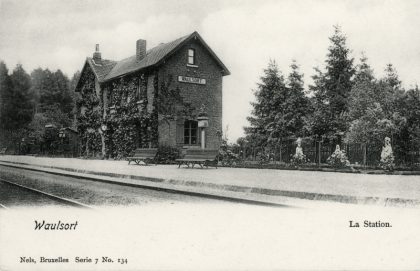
x=203, y=120
x=112, y=110
x=61, y=134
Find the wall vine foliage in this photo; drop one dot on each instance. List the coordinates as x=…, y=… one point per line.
x=129, y=123
x=127, y=118
x=89, y=116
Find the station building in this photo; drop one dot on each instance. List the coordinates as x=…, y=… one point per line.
x=107, y=88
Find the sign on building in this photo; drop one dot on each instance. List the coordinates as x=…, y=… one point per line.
x=191, y=80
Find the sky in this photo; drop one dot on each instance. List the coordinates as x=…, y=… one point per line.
x=245, y=35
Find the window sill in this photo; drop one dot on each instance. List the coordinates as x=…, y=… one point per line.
x=192, y=66
x=191, y=146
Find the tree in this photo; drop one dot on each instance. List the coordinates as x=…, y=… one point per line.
x=319, y=123
x=391, y=77
x=20, y=106
x=6, y=94
x=66, y=100
x=408, y=137
x=331, y=90
x=339, y=73
x=54, y=98
x=296, y=103
x=371, y=112
x=54, y=90
x=363, y=93
x=279, y=109
x=266, y=119
x=74, y=80
x=37, y=77
x=412, y=113
x=16, y=104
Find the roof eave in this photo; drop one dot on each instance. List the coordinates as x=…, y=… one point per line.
x=76, y=89
x=225, y=70
x=87, y=62
x=127, y=73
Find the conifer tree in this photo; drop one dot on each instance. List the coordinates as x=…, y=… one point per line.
x=54, y=99
x=391, y=77
x=363, y=92
x=339, y=72
x=6, y=95
x=332, y=89
x=318, y=122
x=19, y=110
x=296, y=103
x=264, y=122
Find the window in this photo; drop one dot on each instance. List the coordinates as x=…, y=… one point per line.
x=190, y=132
x=191, y=56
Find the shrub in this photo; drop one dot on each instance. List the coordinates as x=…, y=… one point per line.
x=387, y=163
x=387, y=159
x=227, y=157
x=298, y=159
x=167, y=155
x=338, y=158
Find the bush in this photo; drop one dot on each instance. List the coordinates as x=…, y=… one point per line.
x=167, y=155
x=338, y=159
x=263, y=157
x=387, y=160
x=298, y=159
x=228, y=158
x=387, y=163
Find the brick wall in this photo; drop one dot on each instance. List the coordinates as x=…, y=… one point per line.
x=209, y=94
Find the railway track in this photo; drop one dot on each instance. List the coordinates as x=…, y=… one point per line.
x=40, y=196
x=143, y=188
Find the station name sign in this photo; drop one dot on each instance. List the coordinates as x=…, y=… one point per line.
x=191, y=80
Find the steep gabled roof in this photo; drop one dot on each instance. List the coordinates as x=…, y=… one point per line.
x=153, y=56
x=108, y=69
x=156, y=55
x=102, y=68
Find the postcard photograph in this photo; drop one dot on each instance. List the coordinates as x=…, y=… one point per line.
x=209, y=135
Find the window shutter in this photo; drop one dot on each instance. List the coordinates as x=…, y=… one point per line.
x=180, y=131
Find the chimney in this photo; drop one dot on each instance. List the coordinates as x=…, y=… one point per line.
x=97, y=54
x=140, y=49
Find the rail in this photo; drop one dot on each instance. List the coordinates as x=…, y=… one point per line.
x=51, y=196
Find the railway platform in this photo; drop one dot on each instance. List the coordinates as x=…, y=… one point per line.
x=261, y=185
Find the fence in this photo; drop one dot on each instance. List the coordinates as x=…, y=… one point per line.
x=318, y=152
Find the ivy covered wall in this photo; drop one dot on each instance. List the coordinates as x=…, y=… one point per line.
x=130, y=108
x=129, y=124
x=89, y=116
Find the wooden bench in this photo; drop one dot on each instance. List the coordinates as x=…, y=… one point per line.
x=3, y=151
x=202, y=157
x=143, y=155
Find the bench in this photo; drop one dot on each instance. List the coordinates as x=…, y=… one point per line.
x=143, y=155
x=3, y=151
x=202, y=157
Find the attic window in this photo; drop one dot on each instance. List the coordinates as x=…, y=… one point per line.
x=191, y=56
